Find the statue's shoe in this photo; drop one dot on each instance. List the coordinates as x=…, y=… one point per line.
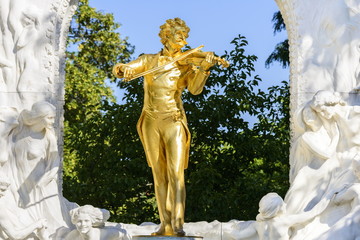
x=164, y=231
x=179, y=232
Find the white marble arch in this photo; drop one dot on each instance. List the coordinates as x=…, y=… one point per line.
x=324, y=37
x=32, y=52
x=32, y=72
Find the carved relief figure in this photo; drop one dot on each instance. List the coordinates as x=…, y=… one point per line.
x=323, y=153
x=162, y=126
x=6, y=54
x=350, y=192
x=26, y=52
x=321, y=137
x=347, y=70
x=331, y=45
x=348, y=226
x=11, y=226
x=333, y=150
x=89, y=222
x=273, y=222
x=315, y=156
x=28, y=57
x=35, y=165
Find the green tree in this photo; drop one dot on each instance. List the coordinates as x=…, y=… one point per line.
x=281, y=51
x=240, y=141
x=94, y=47
x=233, y=161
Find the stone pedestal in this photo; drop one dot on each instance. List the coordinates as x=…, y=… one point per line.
x=150, y=237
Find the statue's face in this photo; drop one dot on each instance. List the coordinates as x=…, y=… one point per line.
x=46, y=122
x=49, y=121
x=327, y=112
x=177, y=40
x=83, y=223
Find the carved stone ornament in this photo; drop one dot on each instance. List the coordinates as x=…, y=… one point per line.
x=32, y=47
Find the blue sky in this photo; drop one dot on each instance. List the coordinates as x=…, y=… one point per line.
x=213, y=23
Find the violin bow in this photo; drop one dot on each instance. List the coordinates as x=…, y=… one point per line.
x=184, y=55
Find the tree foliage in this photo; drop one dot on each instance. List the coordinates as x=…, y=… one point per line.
x=94, y=47
x=280, y=54
x=240, y=133
x=281, y=51
x=278, y=22
x=240, y=141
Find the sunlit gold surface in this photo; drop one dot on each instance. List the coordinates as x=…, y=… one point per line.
x=162, y=125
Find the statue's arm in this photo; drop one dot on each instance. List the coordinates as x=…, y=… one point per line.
x=347, y=193
x=126, y=70
x=196, y=80
x=52, y=165
x=200, y=73
x=249, y=231
x=50, y=175
x=300, y=218
x=315, y=142
x=73, y=235
x=112, y=233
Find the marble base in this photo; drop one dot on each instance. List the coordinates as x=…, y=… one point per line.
x=150, y=237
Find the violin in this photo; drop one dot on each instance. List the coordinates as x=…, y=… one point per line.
x=197, y=57
x=193, y=57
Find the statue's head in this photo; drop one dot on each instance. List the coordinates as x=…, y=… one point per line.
x=324, y=97
x=270, y=206
x=174, y=32
x=40, y=113
x=324, y=101
x=86, y=217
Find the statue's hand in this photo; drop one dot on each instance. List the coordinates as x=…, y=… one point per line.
x=209, y=61
x=42, y=224
x=42, y=230
x=128, y=72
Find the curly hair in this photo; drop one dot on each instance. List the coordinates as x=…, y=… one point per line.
x=165, y=29
x=38, y=112
x=325, y=98
x=98, y=216
x=270, y=206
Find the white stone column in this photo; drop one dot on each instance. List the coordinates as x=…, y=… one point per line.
x=32, y=73
x=324, y=38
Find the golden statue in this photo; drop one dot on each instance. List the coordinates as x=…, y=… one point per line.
x=162, y=125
